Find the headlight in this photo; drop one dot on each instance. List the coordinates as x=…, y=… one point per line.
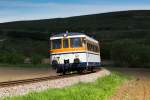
x=76, y=56
x=57, y=59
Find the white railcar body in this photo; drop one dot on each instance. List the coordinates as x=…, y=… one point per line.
x=86, y=51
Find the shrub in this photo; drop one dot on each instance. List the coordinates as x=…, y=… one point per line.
x=16, y=58
x=36, y=59
x=105, y=49
x=11, y=57
x=130, y=53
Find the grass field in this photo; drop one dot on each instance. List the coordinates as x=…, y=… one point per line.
x=99, y=90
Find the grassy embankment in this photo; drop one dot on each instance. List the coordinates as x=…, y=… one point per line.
x=99, y=90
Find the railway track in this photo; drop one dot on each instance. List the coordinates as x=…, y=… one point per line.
x=34, y=80
x=27, y=81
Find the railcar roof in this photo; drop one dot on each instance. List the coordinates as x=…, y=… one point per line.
x=72, y=34
x=69, y=34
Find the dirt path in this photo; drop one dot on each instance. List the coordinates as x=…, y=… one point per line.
x=10, y=74
x=136, y=89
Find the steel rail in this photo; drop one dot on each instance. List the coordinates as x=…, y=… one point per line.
x=34, y=80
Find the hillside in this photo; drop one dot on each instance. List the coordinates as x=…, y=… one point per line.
x=30, y=37
x=105, y=23
x=124, y=20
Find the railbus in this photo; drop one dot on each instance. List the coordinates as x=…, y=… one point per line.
x=74, y=52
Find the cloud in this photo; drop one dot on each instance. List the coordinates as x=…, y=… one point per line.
x=20, y=10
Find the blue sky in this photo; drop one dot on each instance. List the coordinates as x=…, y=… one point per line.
x=14, y=10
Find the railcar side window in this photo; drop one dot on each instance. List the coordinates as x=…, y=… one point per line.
x=83, y=42
x=75, y=42
x=65, y=43
x=56, y=44
x=88, y=46
x=92, y=47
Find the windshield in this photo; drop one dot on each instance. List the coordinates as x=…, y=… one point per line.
x=75, y=42
x=56, y=44
x=65, y=43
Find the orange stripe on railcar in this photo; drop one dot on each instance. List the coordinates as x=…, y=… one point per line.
x=67, y=50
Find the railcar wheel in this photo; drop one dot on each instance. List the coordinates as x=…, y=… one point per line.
x=80, y=71
x=64, y=73
x=92, y=69
x=54, y=64
x=64, y=70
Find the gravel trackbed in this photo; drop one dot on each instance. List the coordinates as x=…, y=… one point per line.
x=58, y=83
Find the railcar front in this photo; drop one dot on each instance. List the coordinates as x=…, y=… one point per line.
x=74, y=52
x=68, y=53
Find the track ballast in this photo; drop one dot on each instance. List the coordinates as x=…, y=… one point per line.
x=34, y=80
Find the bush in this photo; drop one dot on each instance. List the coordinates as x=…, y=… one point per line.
x=105, y=49
x=36, y=59
x=130, y=53
x=16, y=58
x=11, y=57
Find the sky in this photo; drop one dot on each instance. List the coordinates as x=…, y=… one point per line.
x=16, y=10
